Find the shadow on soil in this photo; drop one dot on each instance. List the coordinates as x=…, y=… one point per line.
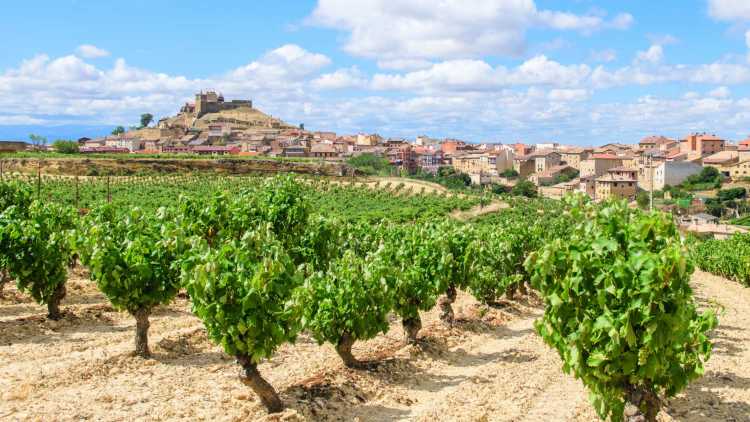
x=701, y=401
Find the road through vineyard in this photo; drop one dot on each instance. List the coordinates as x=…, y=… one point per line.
x=491, y=366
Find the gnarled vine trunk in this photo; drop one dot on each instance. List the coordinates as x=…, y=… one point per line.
x=411, y=329
x=4, y=278
x=250, y=376
x=344, y=349
x=141, y=331
x=642, y=404
x=53, y=305
x=446, y=305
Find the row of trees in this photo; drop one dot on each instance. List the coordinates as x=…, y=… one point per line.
x=259, y=268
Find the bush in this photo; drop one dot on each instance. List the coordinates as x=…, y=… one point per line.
x=242, y=290
x=371, y=164
x=35, y=250
x=524, y=188
x=65, y=147
x=619, y=308
x=509, y=173
x=132, y=259
x=731, y=194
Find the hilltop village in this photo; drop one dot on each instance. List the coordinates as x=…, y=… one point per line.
x=213, y=126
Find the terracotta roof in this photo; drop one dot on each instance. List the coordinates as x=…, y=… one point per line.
x=605, y=157
x=623, y=168
x=609, y=177
x=721, y=157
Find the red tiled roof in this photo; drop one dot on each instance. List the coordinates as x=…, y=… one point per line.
x=605, y=157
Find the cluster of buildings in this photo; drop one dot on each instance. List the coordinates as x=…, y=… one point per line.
x=213, y=126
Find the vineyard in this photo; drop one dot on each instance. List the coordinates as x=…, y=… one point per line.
x=340, y=301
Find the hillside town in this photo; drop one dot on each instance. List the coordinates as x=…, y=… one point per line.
x=212, y=126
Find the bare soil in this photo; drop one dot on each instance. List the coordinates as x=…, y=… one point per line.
x=490, y=366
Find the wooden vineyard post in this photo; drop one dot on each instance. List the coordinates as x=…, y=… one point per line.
x=109, y=192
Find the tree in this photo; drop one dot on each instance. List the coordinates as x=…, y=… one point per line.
x=350, y=301
x=65, y=147
x=524, y=188
x=619, y=308
x=370, y=164
x=35, y=248
x=242, y=290
x=731, y=194
x=509, y=173
x=643, y=199
x=38, y=141
x=146, y=119
x=132, y=259
x=119, y=130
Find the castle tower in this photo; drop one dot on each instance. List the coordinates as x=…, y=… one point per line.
x=201, y=101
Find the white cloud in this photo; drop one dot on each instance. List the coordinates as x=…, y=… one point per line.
x=606, y=56
x=729, y=10
x=568, y=94
x=654, y=54
x=423, y=30
x=720, y=92
x=404, y=64
x=88, y=51
x=341, y=79
x=477, y=75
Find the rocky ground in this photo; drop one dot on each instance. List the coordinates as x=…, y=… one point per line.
x=491, y=366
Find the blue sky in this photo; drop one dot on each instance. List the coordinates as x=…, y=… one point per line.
x=580, y=72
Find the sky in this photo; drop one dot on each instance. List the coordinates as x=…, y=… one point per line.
x=580, y=72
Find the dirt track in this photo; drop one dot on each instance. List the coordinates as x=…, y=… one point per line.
x=490, y=367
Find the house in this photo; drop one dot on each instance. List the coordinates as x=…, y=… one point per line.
x=658, y=174
x=428, y=160
x=738, y=170
x=103, y=150
x=130, y=143
x=215, y=150
x=12, y=146
x=657, y=142
x=587, y=186
x=559, y=190
x=613, y=149
x=452, y=146
x=702, y=144
x=468, y=163
x=368, y=140
x=598, y=164
x=616, y=184
x=520, y=149
x=547, y=145
x=294, y=151
x=573, y=156
x=323, y=151
x=550, y=175
x=723, y=161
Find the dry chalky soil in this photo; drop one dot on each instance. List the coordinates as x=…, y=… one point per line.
x=490, y=366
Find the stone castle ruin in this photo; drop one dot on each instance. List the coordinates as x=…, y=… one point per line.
x=211, y=102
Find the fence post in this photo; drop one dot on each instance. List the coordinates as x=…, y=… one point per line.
x=109, y=192
x=77, y=204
